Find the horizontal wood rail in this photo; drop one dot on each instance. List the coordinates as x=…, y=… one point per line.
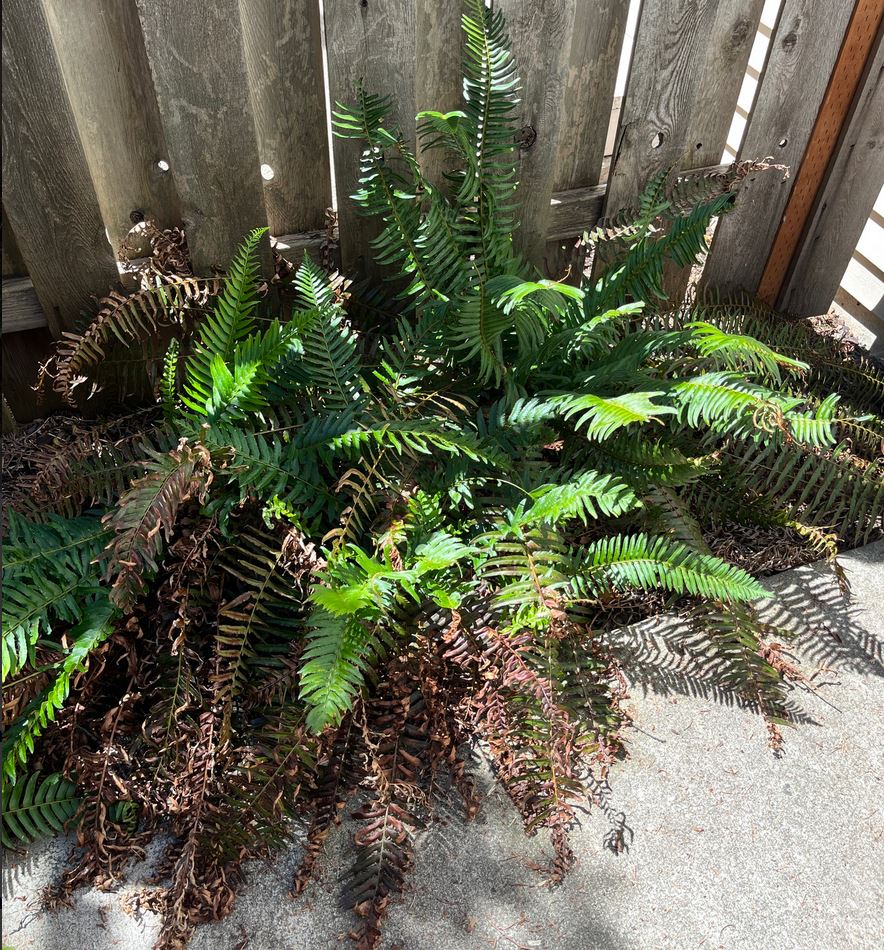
x=571, y=213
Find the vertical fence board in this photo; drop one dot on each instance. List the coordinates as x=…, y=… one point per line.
x=373, y=43
x=725, y=57
x=13, y=263
x=540, y=34
x=438, y=81
x=101, y=52
x=196, y=58
x=664, y=81
x=47, y=191
x=283, y=53
x=843, y=205
x=593, y=60
x=802, y=52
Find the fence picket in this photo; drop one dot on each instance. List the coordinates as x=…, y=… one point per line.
x=47, y=190
x=283, y=53
x=540, y=33
x=803, y=50
x=593, y=60
x=843, y=205
x=101, y=53
x=373, y=42
x=196, y=58
x=725, y=57
x=438, y=82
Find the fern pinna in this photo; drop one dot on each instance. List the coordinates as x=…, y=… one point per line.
x=360, y=534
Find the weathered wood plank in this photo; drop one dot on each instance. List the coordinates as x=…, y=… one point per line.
x=725, y=55
x=21, y=308
x=372, y=42
x=198, y=66
x=664, y=83
x=101, y=53
x=540, y=32
x=13, y=263
x=593, y=60
x=844, y=86
x=803, y=50
x=594, y=49
x=438, y=80
x=283, y=53
x=47, y=190
x=843, y=204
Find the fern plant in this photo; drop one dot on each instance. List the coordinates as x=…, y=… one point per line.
x=354, y=537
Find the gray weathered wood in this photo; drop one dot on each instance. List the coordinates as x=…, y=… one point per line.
x=438, y=80
x=725, y=57
x=101, y=53
x=540, y=32
x=593, y=59
x=727, y=52
x=842, y=208
x=198, y=66
x=13, y=263
x=664, y=81
x=283, y=52
x=47, y=190
x=375, y=43
x=803, y=49
x=21, y=309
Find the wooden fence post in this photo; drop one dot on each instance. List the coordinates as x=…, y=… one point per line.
x=101, y=53
x=196, y=58
x=283, y=54
x=839, y=178
x=803, y=50
x=842, y=207
x=47, y=189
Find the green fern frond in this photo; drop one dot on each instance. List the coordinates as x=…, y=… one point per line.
x=231, y=321
x=649, y=563
x=37, y=808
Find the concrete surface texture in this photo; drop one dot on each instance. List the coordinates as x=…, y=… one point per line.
x=728, y=845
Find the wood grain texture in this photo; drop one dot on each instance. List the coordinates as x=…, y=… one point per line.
x=438, y=41
x=856, y=50
x=47, y=189
x=283, y=54
x=21, y=309
x=101, y=53
x=852, y=184
x=725, y=55
x=13, y=262
x=198, y=66
x=540, y=32
x=594, y=50
x=727, y=51
x=803, y=49
x=371, y=41
x=668, y=63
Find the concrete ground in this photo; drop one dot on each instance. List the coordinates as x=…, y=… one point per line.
x=728, y=845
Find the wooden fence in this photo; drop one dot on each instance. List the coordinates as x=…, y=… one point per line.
x=214, y=115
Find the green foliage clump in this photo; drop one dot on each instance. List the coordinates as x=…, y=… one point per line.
x=344, y=547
